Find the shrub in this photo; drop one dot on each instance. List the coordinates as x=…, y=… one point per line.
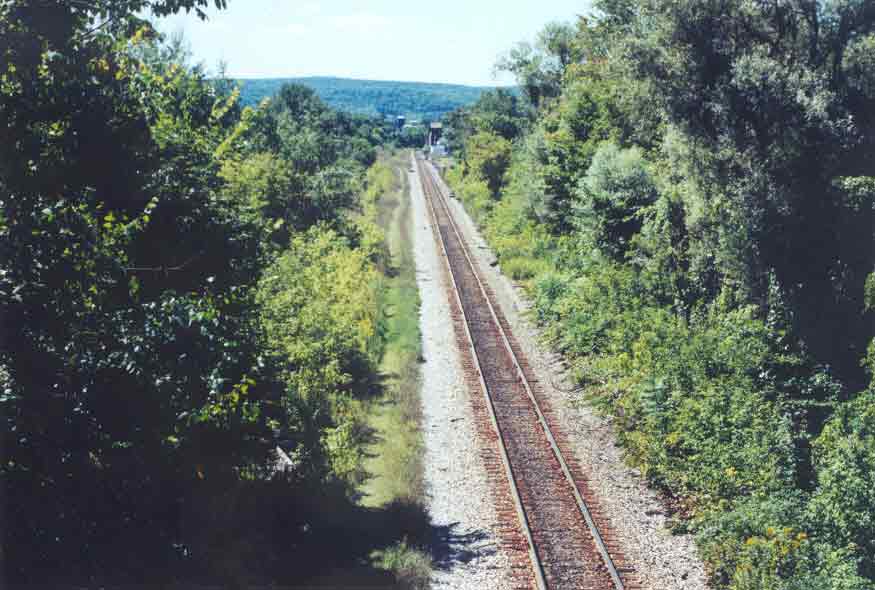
x=844, y=457
x=473, y=192
x=764, y=542
x=411, y=567
x=521, y=268
x=611, y=196
x=488, y=156
x=321, y=310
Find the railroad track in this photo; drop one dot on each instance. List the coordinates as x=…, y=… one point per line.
x=562, y=534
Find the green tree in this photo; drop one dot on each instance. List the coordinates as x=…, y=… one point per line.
x=140, y=206
x=611, y=198
x=488, y=156
x=538, y=68
x=776, y=107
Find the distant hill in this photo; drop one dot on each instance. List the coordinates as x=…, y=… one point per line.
x=415, y=100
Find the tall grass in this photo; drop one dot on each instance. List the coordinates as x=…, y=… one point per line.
x=395, y=456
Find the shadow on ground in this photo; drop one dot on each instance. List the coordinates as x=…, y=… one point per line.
x=450, y=549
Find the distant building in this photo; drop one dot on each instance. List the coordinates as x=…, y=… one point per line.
x=434, y=133
x=440, y=148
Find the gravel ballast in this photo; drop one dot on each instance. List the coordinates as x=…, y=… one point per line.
x=662, y=560
x=458, y=493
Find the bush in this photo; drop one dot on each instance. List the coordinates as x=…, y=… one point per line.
x=488, y=156
x=764, y=542
x=411, y=567
x=844, y=456
x=611, y=197
x=321, y=310
x=521, y=268
x=473, y=192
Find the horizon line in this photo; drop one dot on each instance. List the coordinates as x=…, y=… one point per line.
x=327, y=76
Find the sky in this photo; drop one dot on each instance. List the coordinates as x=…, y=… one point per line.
x=455, y=41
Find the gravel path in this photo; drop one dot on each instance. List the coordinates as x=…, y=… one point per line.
x=458, y=495
x=663, y=561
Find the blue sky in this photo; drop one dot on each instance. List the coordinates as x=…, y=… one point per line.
x=453, y=41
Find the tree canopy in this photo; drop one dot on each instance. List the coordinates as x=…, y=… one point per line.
x=154, y=235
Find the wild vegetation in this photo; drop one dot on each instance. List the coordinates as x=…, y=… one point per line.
x=686, y=190
x=414, y=100
x=192, y=298
x=204, y=335
x=394, y=465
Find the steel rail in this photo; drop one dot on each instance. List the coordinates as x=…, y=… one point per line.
x=581, y=503
x=505, y=459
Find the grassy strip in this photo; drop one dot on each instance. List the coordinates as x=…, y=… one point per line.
x=377, y=536
x=394, y=462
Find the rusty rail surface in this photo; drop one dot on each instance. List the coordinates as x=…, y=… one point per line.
x=568, y=541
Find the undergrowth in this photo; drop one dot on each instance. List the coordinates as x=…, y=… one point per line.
x=394, y=467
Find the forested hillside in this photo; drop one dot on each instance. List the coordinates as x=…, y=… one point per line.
x=686, y=191
x=415, y=100
x=188, y=284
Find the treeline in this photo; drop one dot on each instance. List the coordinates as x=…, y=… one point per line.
x=358, y=117
x=687, y=191
x=375, y=98
x=186, y=286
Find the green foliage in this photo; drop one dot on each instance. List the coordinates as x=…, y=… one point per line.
x=320, y=308
x=499, y=112
x=775, y=119
x=691, y=208
x=488, y=157
x=188, y=284
x=844, y=455
x=570, y=131
x=471, y=190
x=395, y=456
x=711, y=408
x=130, y=338
x=869, y=293
x=522, y=269
x=762, y=543
x=410, y=567
x=538, y=68
x=413, y=136
x=611, y=198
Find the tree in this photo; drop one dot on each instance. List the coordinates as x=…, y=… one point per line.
x=130, y=349
x=489, y=156
x=776, y=107
x=412, y=136
x=586, y=114
x=499, y=112
x=611, y=198
x=539, y=68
